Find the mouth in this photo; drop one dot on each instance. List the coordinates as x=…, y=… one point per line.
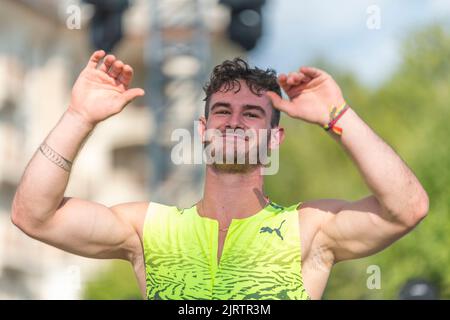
x=235, y=136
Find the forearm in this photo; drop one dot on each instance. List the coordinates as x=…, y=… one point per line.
x=388, y=177
x=41, y=189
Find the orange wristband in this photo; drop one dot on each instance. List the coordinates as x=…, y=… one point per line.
x=335, y=117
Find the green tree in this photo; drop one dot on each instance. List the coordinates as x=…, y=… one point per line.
x=116, y=282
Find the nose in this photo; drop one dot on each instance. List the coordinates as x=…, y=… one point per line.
x=234, y=122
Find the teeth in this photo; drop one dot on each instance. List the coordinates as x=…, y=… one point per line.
x=234, y=134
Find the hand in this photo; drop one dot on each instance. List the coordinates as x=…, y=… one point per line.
x=102, y=91
x=311, y=93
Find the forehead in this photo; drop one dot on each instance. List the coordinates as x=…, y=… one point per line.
x=242, y=97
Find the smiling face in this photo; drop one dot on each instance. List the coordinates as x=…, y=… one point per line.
x=238, y=128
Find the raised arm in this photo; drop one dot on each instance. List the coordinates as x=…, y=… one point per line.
x=355, y=229
x=39, y=207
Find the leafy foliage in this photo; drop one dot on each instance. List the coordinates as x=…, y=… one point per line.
x=117, y=282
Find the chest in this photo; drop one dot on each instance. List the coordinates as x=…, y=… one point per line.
x=251, y=260
x=221, y=241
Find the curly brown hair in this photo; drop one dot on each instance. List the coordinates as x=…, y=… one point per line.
x=226, y=76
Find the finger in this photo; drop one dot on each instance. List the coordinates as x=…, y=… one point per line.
x=126, y=75
x=294, y=78
x=282, y=80
x=95, y=59
x=278, y=102
x=305, y=78
x=116, y=69
x=299, y=77
x=302, y=77
x=311, y=72
x=107, y=63
x=132, y=94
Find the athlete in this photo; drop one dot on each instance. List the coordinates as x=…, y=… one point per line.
x=235, y=242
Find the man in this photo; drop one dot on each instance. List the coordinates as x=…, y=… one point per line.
x=234, y=243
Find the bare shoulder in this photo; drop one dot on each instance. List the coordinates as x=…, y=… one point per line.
x=322, y=206
x=316, y=212
x=312, y=216
x=133, y=213
x=317, y=257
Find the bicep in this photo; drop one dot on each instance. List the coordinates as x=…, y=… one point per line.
x=359, y=229
x=91, y=229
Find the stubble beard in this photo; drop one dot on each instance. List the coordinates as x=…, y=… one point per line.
x=238, y=157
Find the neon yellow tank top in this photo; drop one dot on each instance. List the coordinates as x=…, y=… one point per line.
x=261, y=256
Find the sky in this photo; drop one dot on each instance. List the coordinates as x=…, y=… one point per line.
x=297, y=32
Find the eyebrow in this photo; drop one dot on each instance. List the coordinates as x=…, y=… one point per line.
x=246, y=107
x=254, y=107
x=220, y=104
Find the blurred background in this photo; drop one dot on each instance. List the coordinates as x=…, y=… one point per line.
x=391, y=60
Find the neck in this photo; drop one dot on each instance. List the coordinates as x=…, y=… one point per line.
x=232, y=195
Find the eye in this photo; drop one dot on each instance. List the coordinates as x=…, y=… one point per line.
x=222, y=112
x=251, y=115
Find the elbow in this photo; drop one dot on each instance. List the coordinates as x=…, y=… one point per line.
x=422, y=207
x=17, y=218
x=21, y=219
x=15, y=215
x=418, y=210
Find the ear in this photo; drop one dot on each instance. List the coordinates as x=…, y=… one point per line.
x=201, y=129
x=276, y=137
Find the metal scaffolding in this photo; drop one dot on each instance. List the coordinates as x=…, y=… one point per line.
x=176, y=57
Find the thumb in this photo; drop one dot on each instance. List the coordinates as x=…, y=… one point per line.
x=132, y=94
x=278, y=102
